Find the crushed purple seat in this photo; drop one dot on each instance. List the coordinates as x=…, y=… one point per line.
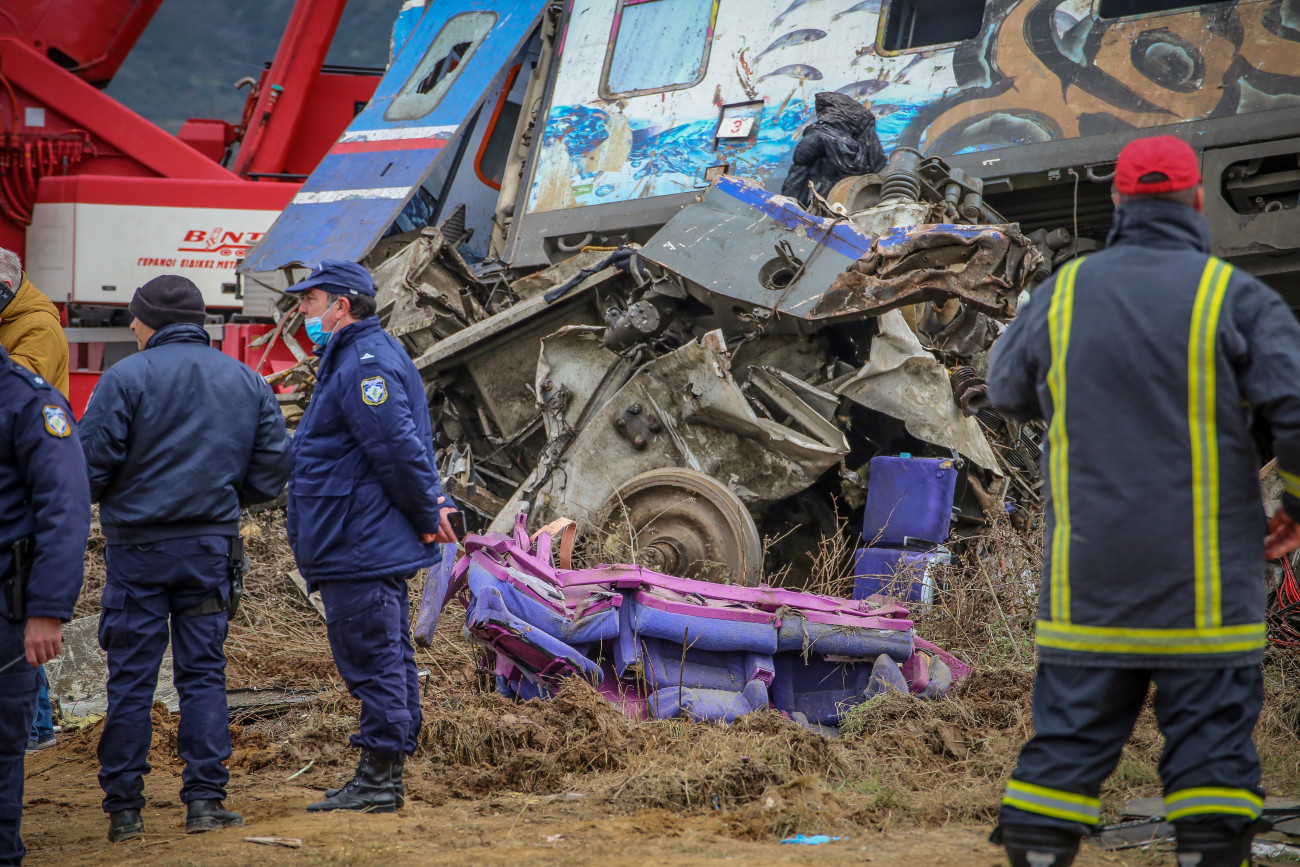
x=894, y=572
x=658, y=646
x=535, y=654
x=436, y=594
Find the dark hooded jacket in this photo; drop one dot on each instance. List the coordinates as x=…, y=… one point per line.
x=1151, y=362
x=841, y=143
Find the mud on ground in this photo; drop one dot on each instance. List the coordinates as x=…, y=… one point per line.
x=571, y=781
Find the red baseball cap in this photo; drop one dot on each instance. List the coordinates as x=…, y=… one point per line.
x=1160, y=164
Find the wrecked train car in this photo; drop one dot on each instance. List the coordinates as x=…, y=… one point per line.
x=561, y=124
x=620, y=321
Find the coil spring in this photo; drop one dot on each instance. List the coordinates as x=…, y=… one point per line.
x=961, y=377
x=901, y=185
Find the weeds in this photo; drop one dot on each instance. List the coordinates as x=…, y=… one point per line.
x=831, y=573
x=900, y=759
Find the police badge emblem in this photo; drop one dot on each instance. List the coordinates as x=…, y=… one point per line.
x=374, y=390
x=56, y=421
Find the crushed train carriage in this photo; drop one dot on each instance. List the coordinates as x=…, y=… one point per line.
x=571, y=212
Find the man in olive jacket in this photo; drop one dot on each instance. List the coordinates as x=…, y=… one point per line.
x=30, y=328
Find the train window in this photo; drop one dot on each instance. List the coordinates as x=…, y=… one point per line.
x=658, y=45
x=448, y=54
x=1122, y=8
x=490, y=163
x=914, y=23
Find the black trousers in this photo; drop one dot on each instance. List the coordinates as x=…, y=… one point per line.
x=147, y=588
x=369, y=626
x=18, y=687
x=1084, y=716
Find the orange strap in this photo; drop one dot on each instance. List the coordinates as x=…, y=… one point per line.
x=568, y=530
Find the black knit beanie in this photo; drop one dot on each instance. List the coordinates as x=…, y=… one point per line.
x=167, y=300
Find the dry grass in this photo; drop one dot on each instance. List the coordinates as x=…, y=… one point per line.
x=986, y=613
x=1277, y=736
x=93, y=581
x=276, y=638
x=831, y=572
x=901, y=760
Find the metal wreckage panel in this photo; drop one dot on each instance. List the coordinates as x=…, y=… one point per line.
x=725, y=243
x=904, y=381
x=773, y=323
x=703, y=415
x=421, y=286
x=697, y=416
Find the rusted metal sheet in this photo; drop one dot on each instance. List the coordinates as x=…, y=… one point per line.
x=980, y=265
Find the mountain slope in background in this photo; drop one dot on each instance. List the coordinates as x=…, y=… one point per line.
x=188, y=60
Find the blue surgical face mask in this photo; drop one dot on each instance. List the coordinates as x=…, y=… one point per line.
x=315, y=331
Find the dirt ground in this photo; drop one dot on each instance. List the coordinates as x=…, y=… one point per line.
x=63, y=825
x=571, y=781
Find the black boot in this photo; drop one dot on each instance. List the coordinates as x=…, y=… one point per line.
x=209, y=815
x=124, y=825
x=1036, y=845
x=399, y=789
x=1212, y=845
x=370, y=791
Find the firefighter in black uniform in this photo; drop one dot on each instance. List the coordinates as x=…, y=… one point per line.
x=1151, y=362
x=44, y=522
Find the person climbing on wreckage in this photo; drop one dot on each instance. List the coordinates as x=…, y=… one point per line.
x=1155, y=536
x=841, y=143
x=366, y=511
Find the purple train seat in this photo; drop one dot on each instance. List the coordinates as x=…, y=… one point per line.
x=896, y=572
x=660, y=647
x=909, y=501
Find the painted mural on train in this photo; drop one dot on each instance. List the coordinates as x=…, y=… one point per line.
x=676, y=75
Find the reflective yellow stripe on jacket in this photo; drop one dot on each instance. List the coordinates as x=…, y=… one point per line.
x=1207, y=634
x=1060, y=316
x=1203, y=424
x=1290, y=482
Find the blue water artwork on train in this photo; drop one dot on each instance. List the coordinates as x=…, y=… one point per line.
x=613, y=157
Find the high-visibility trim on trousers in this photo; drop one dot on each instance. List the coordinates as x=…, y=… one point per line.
x=1055, y=803
x=1209, y=800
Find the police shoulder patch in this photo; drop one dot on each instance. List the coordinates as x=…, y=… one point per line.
x=374, y=390
x=56, y=420
x=34, y=380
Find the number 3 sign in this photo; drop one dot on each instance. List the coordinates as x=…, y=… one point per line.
x=735, y=127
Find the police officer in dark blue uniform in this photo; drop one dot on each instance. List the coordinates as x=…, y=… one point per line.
x=366, y=511
x=177, y=437
x=1153, y=362
x=44, y=522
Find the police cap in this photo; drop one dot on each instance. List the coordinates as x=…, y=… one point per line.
x=338, y=277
